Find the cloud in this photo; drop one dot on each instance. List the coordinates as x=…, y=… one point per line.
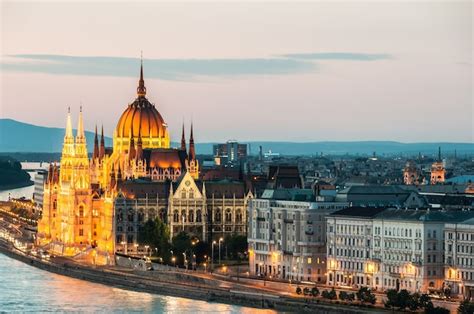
x=171, y=69
x=350, y=56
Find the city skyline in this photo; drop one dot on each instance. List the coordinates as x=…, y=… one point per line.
x=301, y=77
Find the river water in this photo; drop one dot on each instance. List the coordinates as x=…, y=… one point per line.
x=24, y=288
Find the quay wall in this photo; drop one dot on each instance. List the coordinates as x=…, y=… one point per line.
x=179, y=285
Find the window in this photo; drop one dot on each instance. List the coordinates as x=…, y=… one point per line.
x=81, y=232
x=198, y=216
x=191, y=216
x=175, y=216
x=228, y=215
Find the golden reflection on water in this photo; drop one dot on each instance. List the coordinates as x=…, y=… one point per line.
x=27, y=289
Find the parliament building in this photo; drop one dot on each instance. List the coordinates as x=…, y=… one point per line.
x=95, y=206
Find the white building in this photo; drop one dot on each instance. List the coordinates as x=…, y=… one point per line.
x=286, y=235
x=38, y=193
x=459, y=258
x=388, y=248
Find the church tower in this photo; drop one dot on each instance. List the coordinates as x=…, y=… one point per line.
x=438, y=171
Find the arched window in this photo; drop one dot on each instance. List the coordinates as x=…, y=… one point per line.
x=198, y=216
x=175, y=216
x=191, y=194
x=218, y=215
x=183, y=194
x=81, y=211
x=238, y=216
x=162, y=215
x=191, y=216
x=130, y=216
x=183, y=216
x=141, y=216
x=228, y=215
x=55, y=204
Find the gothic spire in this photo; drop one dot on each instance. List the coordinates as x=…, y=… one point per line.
x=192, y=152
x=183, y=140
x=141, y=89
x=68, y=125
x=439, y=153
x=80, y=125
x=102, y=144
x=95, y=154
x=131, y=150
x=139, y=146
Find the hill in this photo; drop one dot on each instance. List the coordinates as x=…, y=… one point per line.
x=21, y=137
x=17, y=136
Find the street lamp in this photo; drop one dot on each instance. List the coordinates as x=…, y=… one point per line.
x=146, y=248
x=173, y=259
x=220, y=240
x=185, y=264
x=212, y=255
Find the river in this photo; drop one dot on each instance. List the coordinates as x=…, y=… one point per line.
x=24, y=288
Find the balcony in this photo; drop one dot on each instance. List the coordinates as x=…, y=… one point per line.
x=288, y=221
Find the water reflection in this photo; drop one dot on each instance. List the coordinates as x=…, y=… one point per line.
x=26, y=289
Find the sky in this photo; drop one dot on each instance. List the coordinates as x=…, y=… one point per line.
x=307, y=71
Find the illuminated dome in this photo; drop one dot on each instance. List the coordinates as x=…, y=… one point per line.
x=141, y=119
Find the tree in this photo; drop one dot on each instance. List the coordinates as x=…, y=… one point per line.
x=466, y=307
x=437, y=310
x=331, y=295
x=181, y=244
x=315, y=291
x=155, y=233
x=298, y=290
x=392, y=298
x=236, y=246
x=366, y=296
x=403, y=299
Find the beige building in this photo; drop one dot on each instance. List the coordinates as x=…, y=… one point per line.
x=287, y=235
x=459, y=258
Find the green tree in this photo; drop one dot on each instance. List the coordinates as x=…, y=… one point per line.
x=466, y=307
x=392, y=298
x=437, y=310
x=315, y=291
x=181, y=244
x=298, y=290
x=236, y=246
x=155, y=233
x=366, y=296
x=403, y=299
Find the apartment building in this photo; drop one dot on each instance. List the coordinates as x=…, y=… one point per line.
x=286, y=235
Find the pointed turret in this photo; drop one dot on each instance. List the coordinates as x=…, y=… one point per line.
x=80, y=145
x=141, y=89
x=183, y=140
x=80, y=125
x=102, y=144
x=439, y=153
x=95, y=154
x=131, y=149
x=192, y=152
x=68, y=134
x=112, y=176
x=139, y=146
x=119, y=174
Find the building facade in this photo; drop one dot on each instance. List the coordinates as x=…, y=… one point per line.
x=287, y=238
x=388, y=248
x=459, y=258
x=79, y=196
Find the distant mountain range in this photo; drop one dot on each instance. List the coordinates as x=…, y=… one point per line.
x=22, y=137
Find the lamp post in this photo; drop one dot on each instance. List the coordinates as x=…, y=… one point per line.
x=212, y=255
x=220, y=240
x=146, y=249
x=184, y=262
x=136, y=248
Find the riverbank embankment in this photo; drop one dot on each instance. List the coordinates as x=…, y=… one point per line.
x=178, y=284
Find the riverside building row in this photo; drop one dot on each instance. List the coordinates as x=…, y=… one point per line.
x=293, y=237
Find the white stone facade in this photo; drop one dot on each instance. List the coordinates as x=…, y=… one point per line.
x=287, y=239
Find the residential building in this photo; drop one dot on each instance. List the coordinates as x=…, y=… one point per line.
x=388, y=248
x=286, y=235
x=459, y=258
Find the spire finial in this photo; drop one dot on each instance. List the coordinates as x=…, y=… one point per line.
x=141, y=90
